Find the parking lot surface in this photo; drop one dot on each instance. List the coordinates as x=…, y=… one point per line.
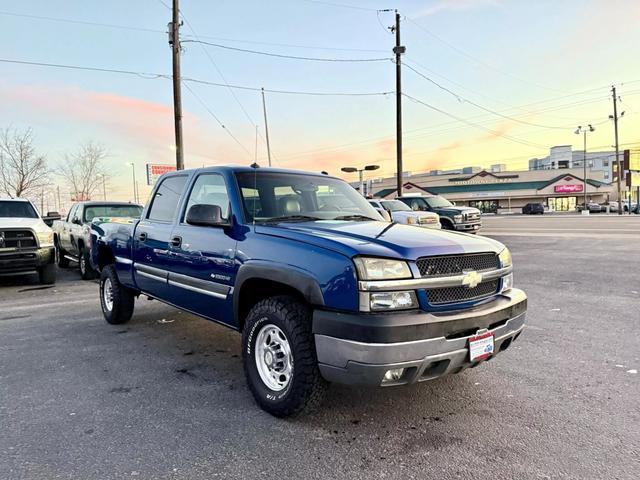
x=164, y=395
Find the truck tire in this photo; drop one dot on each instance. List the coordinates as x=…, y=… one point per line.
x=84, y=263
x=47, y=274
x=447, y=225
x=116, y=300
x=276, y=336
x=63, y=262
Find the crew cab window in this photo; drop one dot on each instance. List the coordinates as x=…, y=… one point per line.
x=165, y=200
x=210, y=189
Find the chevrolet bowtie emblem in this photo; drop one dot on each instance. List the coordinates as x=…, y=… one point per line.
x=471, y=278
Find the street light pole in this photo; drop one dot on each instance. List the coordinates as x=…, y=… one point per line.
x=360, y=174
x=135, y=192
x=584, y=131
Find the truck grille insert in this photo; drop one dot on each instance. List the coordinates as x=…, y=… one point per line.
x=447, y=265
x=17, y=239
x=441, y=296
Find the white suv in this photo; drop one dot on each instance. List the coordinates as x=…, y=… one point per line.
x=26, y=242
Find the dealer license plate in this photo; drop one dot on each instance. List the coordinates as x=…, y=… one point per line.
x=481, y=347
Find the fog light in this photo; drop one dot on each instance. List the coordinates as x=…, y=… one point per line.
x=507, y=282
x=392, y=300
x=393, y=375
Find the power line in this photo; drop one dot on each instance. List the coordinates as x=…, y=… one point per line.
x=290, y=45
x=149, y=76
x=341, y=5
x=216, y=118
x=488, y=110
x=293, y=57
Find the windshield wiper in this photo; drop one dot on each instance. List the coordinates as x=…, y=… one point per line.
x=291, y=218
x=354, y=217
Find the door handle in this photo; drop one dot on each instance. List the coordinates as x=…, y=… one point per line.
x=142, y=236
x=176, y=242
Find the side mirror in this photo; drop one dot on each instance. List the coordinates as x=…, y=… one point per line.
x=206, y=215
x=76, y=220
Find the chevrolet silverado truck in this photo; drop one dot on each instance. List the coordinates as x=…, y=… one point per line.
x=320, y=288
x=400, y=212
x=72, y=235
x=452, y=217
x=26, y=242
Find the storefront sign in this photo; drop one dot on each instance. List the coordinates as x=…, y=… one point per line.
x=570, y=188
x=155, y=171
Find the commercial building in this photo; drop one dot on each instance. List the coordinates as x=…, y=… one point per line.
x=563, y=156
x=504, y=191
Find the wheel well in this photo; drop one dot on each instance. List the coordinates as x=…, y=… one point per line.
x=446, y=220
x=255, y=289
x=105, y=256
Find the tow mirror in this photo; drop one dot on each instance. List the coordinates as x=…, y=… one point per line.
x=206, y=215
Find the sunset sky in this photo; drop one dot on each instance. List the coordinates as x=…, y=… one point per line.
x=542, y=67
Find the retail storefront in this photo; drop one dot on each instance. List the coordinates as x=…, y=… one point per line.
x=558, y=190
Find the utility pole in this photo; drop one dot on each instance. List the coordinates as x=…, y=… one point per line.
x=398, y=50
x=174, y=41
x=266, y=126
x=615, y=128
x=59, y=203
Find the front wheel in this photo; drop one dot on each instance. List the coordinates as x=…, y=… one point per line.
x=116, y=300
x=279, y=357
x=84, y=262
x=47, y=274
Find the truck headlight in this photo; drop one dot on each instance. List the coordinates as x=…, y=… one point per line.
x=370, y=268
x=457, y=218
x=505, y=258
x=507, y=282
x=381, y=301
x=45, y=239
x=411, y=220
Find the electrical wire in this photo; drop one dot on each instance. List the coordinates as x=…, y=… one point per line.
x=340, y=5
x=292, y=57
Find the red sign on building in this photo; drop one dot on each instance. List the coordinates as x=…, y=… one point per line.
x=569, y=188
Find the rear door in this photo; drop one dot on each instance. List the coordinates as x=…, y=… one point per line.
x=151, y=254
x=203, y=270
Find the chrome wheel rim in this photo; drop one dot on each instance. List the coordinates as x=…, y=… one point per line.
x=273, y=358
x=107, y=294
x=83, y=265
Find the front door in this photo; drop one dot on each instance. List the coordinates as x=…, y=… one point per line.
x=151, y=254
x=203, y=271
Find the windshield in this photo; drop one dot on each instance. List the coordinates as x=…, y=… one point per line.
x=395, y=206
x=17, y=210
x=438, y=202
x=271, y=197
x=112, y=211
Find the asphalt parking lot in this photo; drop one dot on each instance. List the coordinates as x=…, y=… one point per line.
x=164, y=395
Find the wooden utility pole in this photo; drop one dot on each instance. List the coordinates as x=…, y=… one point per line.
x=266, y=126
x=174, y=41
x=619, y=166
x=398, y=50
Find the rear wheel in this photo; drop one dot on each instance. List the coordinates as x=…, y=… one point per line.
x=47, y=274
x=116, y=300
x=84, y=262
x=279, y=357
x=63, y=262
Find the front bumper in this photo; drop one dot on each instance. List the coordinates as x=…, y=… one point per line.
x=467, y=227
x=358, y=349
x=14, y=261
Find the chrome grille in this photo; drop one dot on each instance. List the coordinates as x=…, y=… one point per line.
x=17, y=239
x=445, y=265
x=426, y=220
x=462, y=294
x=472, y=217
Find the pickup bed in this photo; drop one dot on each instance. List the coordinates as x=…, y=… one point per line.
x=320, y=287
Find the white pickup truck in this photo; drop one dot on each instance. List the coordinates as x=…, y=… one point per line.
x=26, y=242
x=401, y=213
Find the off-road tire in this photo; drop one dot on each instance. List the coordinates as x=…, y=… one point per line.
x=84, y=265
x=63, y=262
x=47, y=274
x=123, y=299
x=306, y=388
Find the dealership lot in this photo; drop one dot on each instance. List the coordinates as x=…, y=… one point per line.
x=164, y=396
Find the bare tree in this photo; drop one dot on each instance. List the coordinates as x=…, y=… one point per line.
x=23, y=172
x=84, y=170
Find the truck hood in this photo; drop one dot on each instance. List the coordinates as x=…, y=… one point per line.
x=381, y=239
x=35, y=224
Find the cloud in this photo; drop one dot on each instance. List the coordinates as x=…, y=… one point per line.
x=455, y=5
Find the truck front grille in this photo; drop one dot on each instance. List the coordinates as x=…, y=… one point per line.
x=446, y=265
x=472, y=217
x=441, y=296
x=17, y=239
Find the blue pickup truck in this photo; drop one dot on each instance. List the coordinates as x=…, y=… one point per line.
x=320, y=287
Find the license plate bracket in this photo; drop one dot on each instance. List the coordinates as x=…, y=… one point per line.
x=481, y=346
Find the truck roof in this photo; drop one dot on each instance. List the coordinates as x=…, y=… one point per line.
x=14, y=200
x=244, y=168
x=92, y=203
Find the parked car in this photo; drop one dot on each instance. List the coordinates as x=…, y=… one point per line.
x=452, y=217
x=321, y=290
x=72, y=235
x=26, y=242
x=593, y=207
x=533, y=209
x=400, y=212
